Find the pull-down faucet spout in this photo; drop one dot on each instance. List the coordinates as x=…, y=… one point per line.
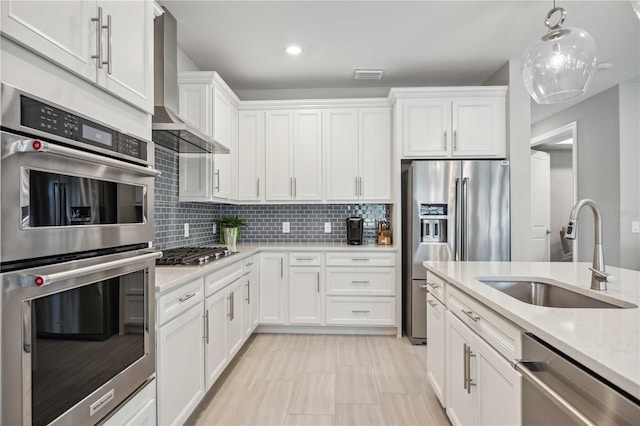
x=599, y=278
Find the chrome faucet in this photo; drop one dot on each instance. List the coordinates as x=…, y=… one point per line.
x=599, y=278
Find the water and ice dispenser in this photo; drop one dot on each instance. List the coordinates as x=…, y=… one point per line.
x=433, y=223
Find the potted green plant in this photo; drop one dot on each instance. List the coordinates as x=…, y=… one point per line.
x=230, y=222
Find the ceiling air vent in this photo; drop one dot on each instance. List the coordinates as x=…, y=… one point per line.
x=367, y=74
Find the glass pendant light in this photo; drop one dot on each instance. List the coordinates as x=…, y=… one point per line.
x=559, y=66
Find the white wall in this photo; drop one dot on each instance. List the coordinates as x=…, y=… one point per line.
x=518, y=153
x=598, y=167
x=629, y=98
x=185, y=63
x=561, y=198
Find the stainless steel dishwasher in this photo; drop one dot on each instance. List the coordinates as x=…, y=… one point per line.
x=556, y=390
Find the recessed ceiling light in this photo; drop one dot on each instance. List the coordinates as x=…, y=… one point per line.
x=368, y=74
x=293, y=50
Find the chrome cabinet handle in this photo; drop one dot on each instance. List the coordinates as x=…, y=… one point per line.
x=230, y=300
x=206, y=326
x=248, y=264
x=318, y=282
x=258, y=187
x=98, y=55
x=468, y=356
x=432, y=303
x=422, y=286
x=109, y=44
x=186, y=297
x=43, y=280
x=561, y=402
x=248, y=299
x=464, y=366
x=433, y=285
x=291, y=187
x=38, y=146
x=455, y=140
x=360, y=259
x=307, y=259
x=281, y=267
x=445, y=140
x=360, y=312
x=357, y=192
x=295, y=187
x=360, y=282
x=218, y=180
x=475, y=318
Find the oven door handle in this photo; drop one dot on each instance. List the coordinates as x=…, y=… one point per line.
x=44, y=280
x=554, y=396
x=36, y=145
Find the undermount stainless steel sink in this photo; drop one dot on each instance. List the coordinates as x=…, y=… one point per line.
x=541, y=293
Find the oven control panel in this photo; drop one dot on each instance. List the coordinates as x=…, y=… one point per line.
x=46, y=118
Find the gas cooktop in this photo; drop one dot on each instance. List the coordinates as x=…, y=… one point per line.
x=192, y=255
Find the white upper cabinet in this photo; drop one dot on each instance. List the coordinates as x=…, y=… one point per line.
x=278, y=155
x=426, y=127
x=374, y=142
x=341, y=150
x=251, y=156
x=293, y=157
x=447, y=122
x=479, y=127
x=307, y=155
x=206, y=102
x=117, y=57
x=357, y=145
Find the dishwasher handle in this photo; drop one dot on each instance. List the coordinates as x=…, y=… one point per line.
x=554, y=396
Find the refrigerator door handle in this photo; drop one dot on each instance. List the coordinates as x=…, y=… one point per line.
x=456, y=226
x=465, y=217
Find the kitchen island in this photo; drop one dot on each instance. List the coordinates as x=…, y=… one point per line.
x=607, y=341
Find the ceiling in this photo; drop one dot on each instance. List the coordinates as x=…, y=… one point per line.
x=417, y=43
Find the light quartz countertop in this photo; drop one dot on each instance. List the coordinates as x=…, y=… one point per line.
x=170, y=277
x=606, y=341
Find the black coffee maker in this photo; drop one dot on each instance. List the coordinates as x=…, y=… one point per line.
x=355, y=225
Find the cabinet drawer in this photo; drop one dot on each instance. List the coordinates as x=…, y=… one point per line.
x=361, y=281
x=436, y=286
x=361, y=259
x=219, y=279
x=501, y=334
x=305, y=259
x=361, y=310
x=179, y=300
x=248, y=265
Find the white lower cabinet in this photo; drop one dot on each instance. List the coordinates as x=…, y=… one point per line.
x=234, y=318
x=138, y=411
x=436, y=359
x=250, y=296
x=305, y=295
x=273, y=271
x=180, y=364
x=482, y=387
x=200, y=330
x=216, y=337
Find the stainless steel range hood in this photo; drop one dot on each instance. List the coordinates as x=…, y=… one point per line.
x=169, y=130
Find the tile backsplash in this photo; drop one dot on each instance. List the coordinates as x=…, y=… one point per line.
x=264, y=222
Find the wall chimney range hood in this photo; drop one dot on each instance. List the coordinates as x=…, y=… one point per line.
x=169, y=130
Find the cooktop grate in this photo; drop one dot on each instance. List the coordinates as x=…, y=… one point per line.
x=192, y=255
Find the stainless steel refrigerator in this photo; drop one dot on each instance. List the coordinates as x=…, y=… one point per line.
x=452, y=210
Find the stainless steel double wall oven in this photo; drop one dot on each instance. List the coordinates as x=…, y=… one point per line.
x=77, y=268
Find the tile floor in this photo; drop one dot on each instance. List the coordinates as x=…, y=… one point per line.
x=293, y=379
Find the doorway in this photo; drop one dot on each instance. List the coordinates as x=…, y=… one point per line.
x=554, y=192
